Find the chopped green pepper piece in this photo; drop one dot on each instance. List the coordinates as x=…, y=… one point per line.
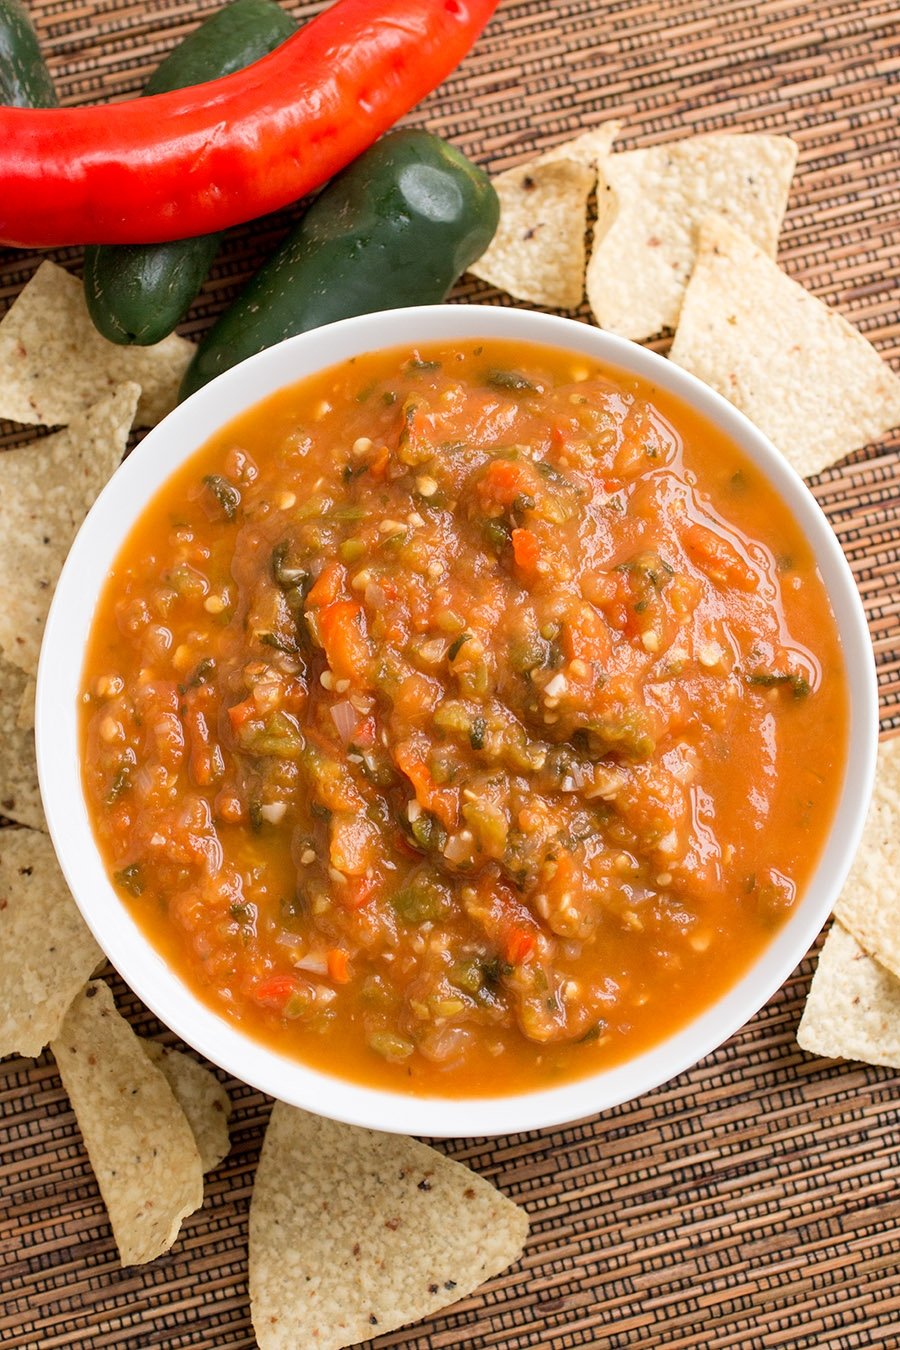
x=281, y=644
x=511, y=381
x=279, y=736
x=351, y=550
x=288, y=578
x=131, y=879
x=421, y=901
x=390, y=1046
x=468, y=976
x=202, y=671
x=771, y=679
x=428, y=832
x=497, y=533
x=120, y=782
x=456, y=646
x=225, y=493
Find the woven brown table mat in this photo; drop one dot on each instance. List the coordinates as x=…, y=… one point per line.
x=754, y=1201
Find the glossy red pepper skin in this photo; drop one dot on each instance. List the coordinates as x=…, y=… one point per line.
x=198, y=160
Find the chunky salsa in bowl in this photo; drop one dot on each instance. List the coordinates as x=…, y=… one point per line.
x=464, y=719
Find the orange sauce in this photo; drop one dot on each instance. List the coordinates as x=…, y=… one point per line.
x=464, y=721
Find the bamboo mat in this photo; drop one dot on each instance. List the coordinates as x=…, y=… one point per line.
x=754, y=1201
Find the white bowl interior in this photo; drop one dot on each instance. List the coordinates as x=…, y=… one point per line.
x=68, y=626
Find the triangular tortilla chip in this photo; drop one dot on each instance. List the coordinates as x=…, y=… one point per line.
x=20, y=797
x=590, y=148
x=47, y=952
x=46, y=490
x=25, y=719
x=538, y=252
x=201, y=1097
x=807, y=378
x=869, y=904
x=137, y=1136
x=649, y=205
x=354, y=1233
x=54, y=364
x=853, y=1009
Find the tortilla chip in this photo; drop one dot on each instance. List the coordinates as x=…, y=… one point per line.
x=538, y=252
x=800, y=371
x=650, y=203
x=20, y=797
x=46, y=490
x=202, y=1099
x=869, y=904
x=47, y=952
x=354, y=1233
x=25, y=719
x=54, y=364
x=590, y=148
x=137, y=1136
x=853, y=1009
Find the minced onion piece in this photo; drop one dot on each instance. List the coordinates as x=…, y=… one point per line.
x=316, y=965
x=289, y=939
x=458, y=848
x=273, y=812
x=346, y=719
x=375, y=595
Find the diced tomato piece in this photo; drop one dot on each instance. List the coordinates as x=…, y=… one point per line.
x=206, y=762
x=379, y=464
x=276, y=992
x=167, y=738
x=352, y=846
x=343, y=633
x=228, y=807
x=526, y=550
x=719, y=559
x=239, y=713
x=358, y=892
x=327, y=586
x=585, y=635
x=600, y=588
x=518, y=945
x=505, y=479
x=364, y=735
x=440, y=801
x=338, y=966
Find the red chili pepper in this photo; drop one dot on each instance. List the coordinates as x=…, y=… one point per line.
x=200, y=159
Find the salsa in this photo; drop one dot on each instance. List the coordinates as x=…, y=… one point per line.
x=463, y=720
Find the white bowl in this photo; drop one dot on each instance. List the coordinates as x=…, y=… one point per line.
x=59, y=676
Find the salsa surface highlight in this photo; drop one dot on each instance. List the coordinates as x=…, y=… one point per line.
x=464, y=720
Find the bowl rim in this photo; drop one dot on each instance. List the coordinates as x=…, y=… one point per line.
x=99, y=540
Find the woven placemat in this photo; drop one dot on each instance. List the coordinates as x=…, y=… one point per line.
x=752, y=1202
